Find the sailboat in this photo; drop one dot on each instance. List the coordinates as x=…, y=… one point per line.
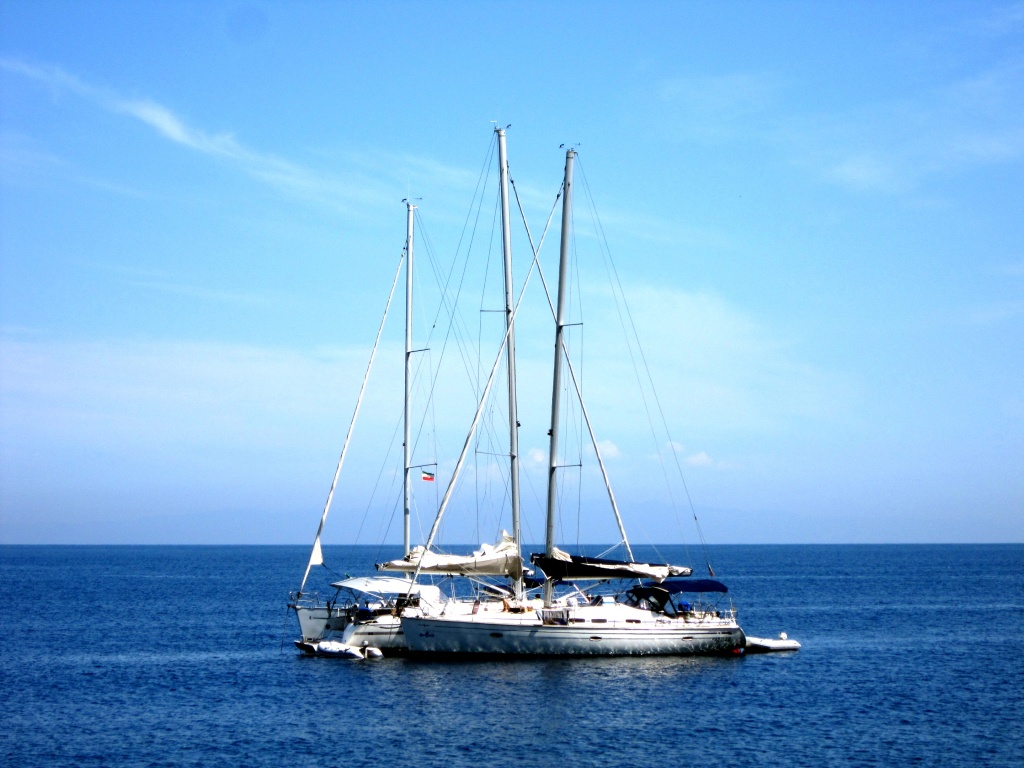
x=654, y=613
x=362, y=619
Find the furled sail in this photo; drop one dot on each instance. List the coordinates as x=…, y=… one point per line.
x=693, y=585
x=500, y=559
x=563, y=566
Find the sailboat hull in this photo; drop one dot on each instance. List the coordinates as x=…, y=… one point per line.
x=519, y=635
x=383, y=633
x=316, y=622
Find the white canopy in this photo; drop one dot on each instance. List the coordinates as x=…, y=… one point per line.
x=381, y=585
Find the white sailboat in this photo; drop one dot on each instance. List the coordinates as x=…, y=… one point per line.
x=362, y=617
x=648, y=617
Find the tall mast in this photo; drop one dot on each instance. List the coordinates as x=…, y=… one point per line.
x=563, y=258
x=407, y=448
x=510, y=351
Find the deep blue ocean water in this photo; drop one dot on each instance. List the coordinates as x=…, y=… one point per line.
x=180, y=656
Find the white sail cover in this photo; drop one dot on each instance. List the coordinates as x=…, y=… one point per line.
x=500, y=559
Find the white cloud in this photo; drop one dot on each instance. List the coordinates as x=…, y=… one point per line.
x=864, y=172
x=716, y=367
x=699, y=460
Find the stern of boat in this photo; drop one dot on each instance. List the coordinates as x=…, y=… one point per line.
x=316, y=620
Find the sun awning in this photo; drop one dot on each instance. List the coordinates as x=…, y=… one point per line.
x=378, y=585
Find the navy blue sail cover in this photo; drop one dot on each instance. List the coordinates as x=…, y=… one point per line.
x=579, y=567
x=673, y=586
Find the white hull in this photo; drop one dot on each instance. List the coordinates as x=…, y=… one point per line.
x=590, y=631
x=317, y=622
x=383, y=631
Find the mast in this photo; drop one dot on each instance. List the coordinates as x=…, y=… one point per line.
x=407, y=448
x=563, y=258
x=510, y=352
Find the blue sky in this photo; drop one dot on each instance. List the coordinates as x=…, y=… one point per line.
x=815, y=210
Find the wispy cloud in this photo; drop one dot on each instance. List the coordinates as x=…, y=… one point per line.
x=24, y=160
x=101, y=392
x=200, y=292
x=170, y=126
x=1001, y=20
x=722, y=367
x=1012, y=270
x=889, y=146
x=995, y=313
x=970, y=122
x=864, y=171
x=346, y=189
x=719, y=107
x=19, y=151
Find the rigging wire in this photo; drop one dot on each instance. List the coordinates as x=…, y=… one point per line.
x=618, y=297
x=572, y=373
x=478, y=195
x=450, y=295
x=574, y=338
x=476, y=418
x=456, y=324
x=636, y=337
x=489, y=431
x=454, y=330
x=448, y=303
x=387, y=461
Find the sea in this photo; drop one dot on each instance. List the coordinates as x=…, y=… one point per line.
x=183, y=656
